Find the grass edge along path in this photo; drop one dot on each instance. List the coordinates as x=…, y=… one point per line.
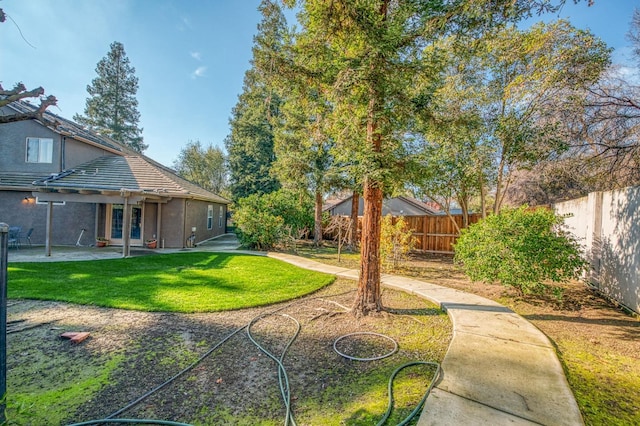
x=179, y=282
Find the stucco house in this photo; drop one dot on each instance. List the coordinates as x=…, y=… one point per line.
x=72, y=185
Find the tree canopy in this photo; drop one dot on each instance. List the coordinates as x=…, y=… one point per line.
x=205, y=166
x=112, y=108
x=250, y=145
x=372, y=53
x=501, y=104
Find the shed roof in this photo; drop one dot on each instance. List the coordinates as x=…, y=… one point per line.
x=396, y=206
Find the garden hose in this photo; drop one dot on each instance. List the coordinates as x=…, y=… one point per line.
x=185, y=370
x=393, y=375
x=365, y=333
x=134, y=421
x=199, y=360
x=418, y=408
x=283, y=378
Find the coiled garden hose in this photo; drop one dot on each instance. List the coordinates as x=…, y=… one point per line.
x=387, y=413
x=365, y=333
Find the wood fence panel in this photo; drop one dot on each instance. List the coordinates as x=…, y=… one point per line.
x=435, y=234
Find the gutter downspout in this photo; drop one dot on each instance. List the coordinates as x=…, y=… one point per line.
x=63, y=144
x=159, y=225
x=47, y=249
x=184, y=224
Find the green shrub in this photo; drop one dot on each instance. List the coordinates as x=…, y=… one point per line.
x=264, y=221
x=396, y=241
x=522, y=248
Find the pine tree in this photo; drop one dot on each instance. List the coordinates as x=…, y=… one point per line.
x=250, y=144
x=112, y=107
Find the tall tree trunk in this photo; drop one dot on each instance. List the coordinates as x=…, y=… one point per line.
x=499, y=182
x=483, y=197
x=355, y=207
x=368, y=297
x=317, y=229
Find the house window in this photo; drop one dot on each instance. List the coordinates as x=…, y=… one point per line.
x=39, y=150
x=220, y=217
x=209, y=216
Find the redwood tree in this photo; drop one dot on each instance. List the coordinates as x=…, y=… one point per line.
x=373, y=48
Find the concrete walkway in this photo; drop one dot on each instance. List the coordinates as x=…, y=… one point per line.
x=499, y=368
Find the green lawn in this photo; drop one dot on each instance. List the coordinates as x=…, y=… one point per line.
x=183, y=282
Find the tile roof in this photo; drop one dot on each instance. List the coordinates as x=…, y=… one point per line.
x=127, y=169
x=135, y=173
x=66, y=127
x=17, y=180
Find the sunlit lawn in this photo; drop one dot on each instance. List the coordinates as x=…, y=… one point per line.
x=183, y=282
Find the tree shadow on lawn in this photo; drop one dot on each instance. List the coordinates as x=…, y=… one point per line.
x=237, y=383
x=625, y=329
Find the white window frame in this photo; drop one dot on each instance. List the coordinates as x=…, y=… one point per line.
x=43, y=153
x=210, y=216
x=55, y=203
x=220, y=218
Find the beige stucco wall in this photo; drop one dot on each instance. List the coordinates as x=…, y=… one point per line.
x=609, y=225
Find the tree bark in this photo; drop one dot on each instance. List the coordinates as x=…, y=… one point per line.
x=355, y=207
x=317, y=231
x=368, y=297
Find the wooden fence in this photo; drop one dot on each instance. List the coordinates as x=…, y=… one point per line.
x=435, y=234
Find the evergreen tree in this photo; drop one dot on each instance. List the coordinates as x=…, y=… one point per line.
x=250, y=146
x=112, y=107
x=374, y=49
x=204, y=166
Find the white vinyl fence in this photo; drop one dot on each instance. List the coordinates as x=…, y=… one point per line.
x=608, y=224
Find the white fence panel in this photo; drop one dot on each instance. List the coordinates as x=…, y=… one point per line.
x=608, y=224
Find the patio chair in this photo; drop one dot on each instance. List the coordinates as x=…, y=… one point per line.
x=14, y=237
x=27, y=237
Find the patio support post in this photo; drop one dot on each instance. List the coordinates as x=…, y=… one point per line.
x=126, y=227
x=4, y=248
x=159, y=225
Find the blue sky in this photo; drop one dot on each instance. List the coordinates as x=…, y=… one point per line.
x=190, y=56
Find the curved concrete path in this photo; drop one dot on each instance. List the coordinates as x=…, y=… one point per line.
x=499, y=368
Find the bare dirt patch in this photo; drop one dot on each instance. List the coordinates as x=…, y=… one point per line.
x=236, y=383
